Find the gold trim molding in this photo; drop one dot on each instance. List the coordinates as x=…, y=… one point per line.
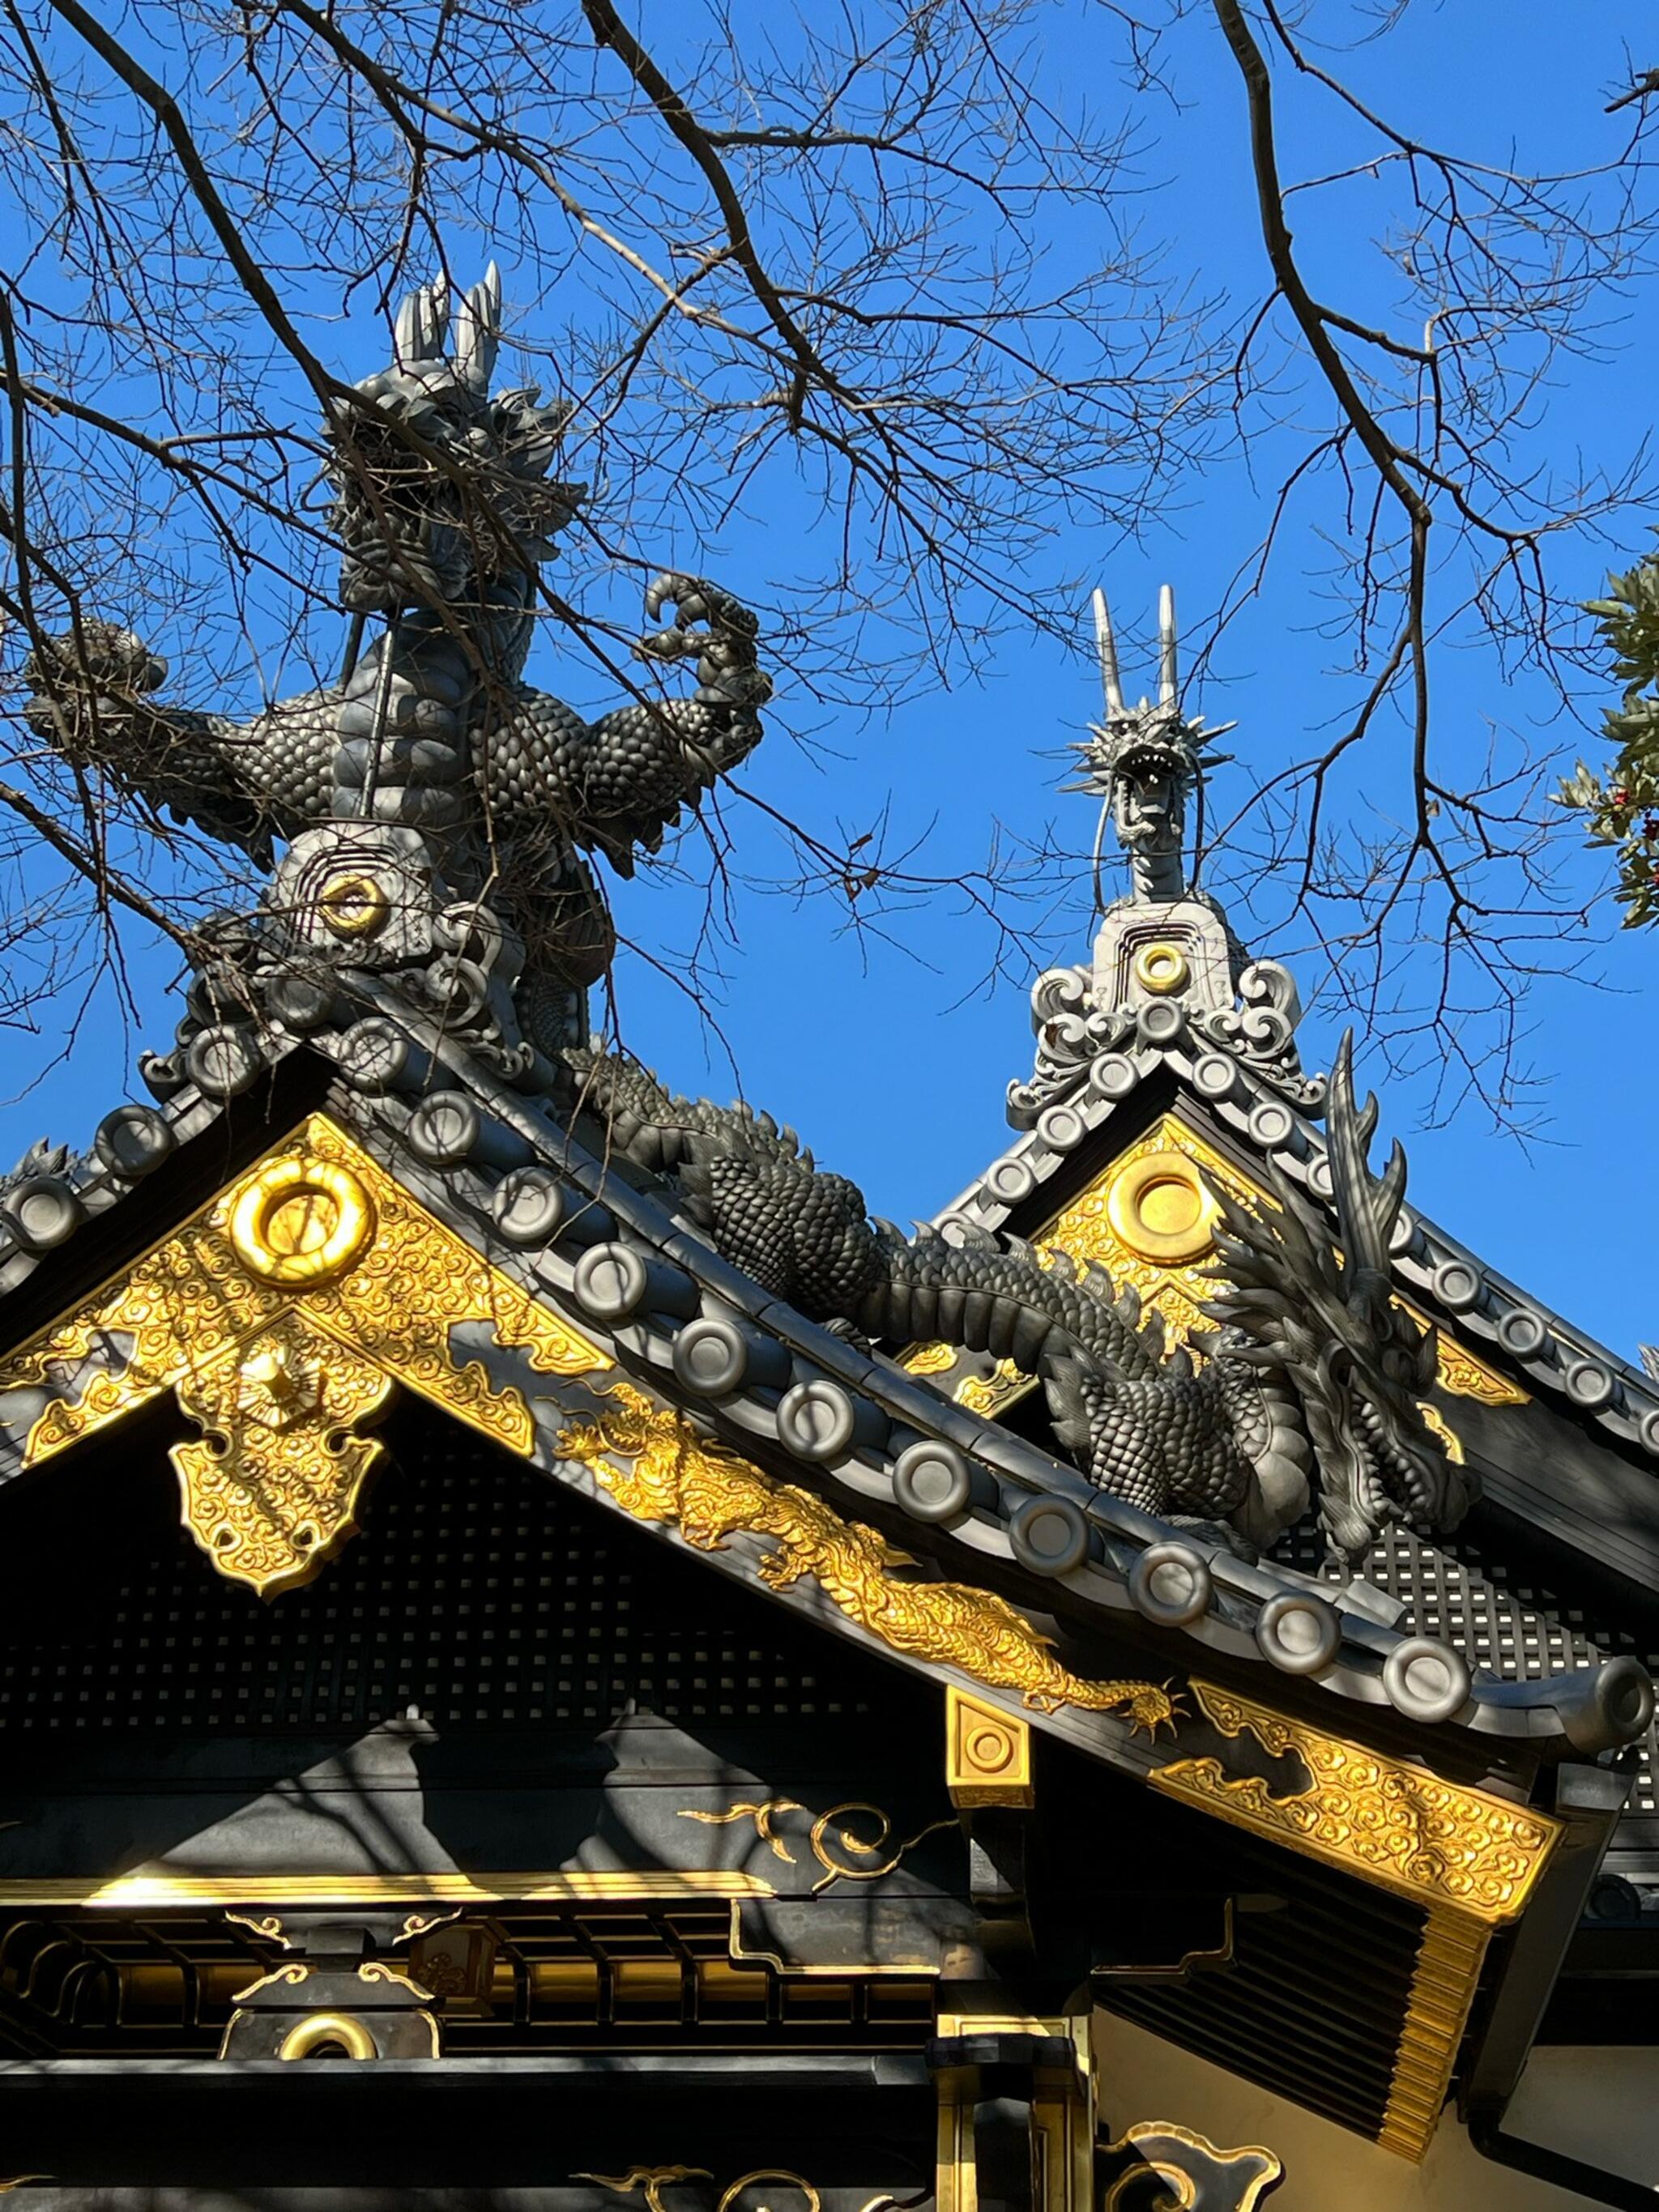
x=1063, y=2117
x=1395, y=1826
x=660, y=1470
x=281, y=1313
x=1251, y=2172
x=1437, y=2006
x=147, y=1892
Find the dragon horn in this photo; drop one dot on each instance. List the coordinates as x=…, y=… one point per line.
x=1365, y=1208
x=479, y=331
x=418, y=333
x=1166, y=645
x=1106, y=647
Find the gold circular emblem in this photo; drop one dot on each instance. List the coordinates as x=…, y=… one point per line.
x=300, y=1222
x=1162, y=968
x=343, y=2030
x=1160, y=1207
x=353, y=906
x=990, y=1750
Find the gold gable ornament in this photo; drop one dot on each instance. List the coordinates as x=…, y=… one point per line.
x=1149, y=1219
x=282, y=1315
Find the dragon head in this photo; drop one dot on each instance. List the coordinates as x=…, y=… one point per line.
x=439, y=490
x=1323, y=1312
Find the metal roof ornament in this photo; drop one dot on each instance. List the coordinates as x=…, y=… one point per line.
x=1167, y=967
x=438, y=813
x=1146, y=762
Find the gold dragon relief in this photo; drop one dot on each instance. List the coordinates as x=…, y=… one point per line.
x=282, y=1314
x=657, y=1468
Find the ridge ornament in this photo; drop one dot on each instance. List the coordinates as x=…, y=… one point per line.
x=1312, y=1372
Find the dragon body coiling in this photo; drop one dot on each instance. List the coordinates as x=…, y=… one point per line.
x=1298, y=1385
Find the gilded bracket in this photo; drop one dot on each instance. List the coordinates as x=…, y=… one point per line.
x=987, y=1755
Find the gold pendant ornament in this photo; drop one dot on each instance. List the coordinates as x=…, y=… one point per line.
x=271, y=1490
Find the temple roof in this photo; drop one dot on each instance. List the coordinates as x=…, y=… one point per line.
x=502, y=1170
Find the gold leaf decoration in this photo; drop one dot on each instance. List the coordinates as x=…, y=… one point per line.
x=271, y=1492
x=657, y=1469
x=1466, y=1377
x=282, y=1312
x=866, y=1859
x=1390, y=1823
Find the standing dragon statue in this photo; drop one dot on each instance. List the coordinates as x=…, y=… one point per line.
x=1311, y=1374
x=431, y=740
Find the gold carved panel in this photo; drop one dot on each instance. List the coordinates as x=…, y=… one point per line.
x=1471, y=1860
x=281, y=1313
x=1379, y=1819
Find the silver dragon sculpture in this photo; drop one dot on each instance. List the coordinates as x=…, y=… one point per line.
x=1305, y=1390
x=445, y=511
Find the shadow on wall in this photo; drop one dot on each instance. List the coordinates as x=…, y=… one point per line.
x=1600, y=2105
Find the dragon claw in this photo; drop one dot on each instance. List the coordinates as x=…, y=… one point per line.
x=728, y=641
x=1152, y=1708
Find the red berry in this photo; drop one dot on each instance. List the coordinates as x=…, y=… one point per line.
x=1619, y=795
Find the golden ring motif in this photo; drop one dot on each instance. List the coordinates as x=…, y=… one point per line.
x=990, y=1749
x=353, y=906
x=1162, y=968
x=321, y=2028
x=1160, y=1207
x=300, y=1222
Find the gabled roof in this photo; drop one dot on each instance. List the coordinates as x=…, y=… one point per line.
x=503, y=1172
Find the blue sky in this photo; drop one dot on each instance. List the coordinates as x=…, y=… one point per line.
x=886, y=1050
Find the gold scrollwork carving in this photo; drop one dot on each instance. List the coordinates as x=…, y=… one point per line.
x=825, y=1837
x=930, y=1359
x=271, y=1490
x=1466, y=1377
x=652, y=2180
x=282, y=1312
x=1396, y=1825
x=657, y=1469
x=416, y=1284
x=1156, y=2167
